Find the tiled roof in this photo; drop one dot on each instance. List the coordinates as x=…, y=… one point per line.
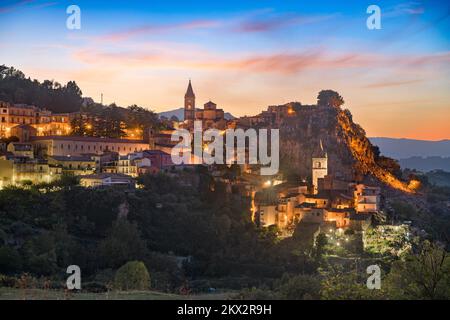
x=88, y=139
x=71, y=158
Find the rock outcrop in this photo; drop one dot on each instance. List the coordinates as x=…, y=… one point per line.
x=350, y=153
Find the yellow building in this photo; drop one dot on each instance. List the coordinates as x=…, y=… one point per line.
x=19, y=149
x=14, y=171
x=106, y=180
x=46, y=123
x=76, y=165
x=77, y=146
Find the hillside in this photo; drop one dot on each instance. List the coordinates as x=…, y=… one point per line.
x=350, y=153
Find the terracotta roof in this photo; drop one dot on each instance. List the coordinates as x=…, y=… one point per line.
x=72, y=158
x=87, y=139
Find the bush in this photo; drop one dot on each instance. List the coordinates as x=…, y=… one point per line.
x=132, y=276
x=94, y=287
x=7, y=281
x=256, y=294
x=300, y=287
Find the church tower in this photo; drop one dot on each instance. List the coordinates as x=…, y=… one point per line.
x=319, y=166
x=189, y=104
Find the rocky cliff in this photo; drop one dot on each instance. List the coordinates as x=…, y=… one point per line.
x=350, y=153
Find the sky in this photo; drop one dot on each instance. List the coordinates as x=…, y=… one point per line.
x=245, y=55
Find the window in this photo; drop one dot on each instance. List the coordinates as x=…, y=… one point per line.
x=62, y=146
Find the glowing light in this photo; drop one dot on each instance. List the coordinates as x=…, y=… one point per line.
x=268, y=183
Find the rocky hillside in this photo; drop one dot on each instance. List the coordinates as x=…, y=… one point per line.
x=350, y=153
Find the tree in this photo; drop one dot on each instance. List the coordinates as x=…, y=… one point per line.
x=425, y=275
x=124, y=243
x=319, y=249
x=300, y=287
x=132, y=276
x=329, y=98
x=10, y=260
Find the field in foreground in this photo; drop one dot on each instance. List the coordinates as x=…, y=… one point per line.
x=40, y=294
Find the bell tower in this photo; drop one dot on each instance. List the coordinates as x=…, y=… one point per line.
x=189, y=104
x=319, y=167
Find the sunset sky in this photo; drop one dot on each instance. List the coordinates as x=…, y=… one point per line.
x=245, y=55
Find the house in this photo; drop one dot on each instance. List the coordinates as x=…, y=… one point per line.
x=76, y=165
x=107, y=180
x=43, y=121
x=367, y=199
x=15, y=170
x=75, y=146
x=19, y=149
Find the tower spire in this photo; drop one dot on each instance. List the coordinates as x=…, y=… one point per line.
x=189, y=91
x=189, y=104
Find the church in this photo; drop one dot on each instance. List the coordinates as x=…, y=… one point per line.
x=210, y=116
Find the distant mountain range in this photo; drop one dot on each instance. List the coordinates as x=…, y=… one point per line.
x=179, y=113
x=416, y=154
x=406, y=148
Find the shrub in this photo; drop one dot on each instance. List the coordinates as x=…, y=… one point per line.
x=7, y=281
x=132, y=276
x=300, y=287
x=94, y=287
x=256, y=294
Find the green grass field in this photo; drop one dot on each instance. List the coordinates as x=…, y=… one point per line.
x=40, y=294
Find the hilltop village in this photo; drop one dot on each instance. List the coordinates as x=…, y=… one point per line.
x=43, y=150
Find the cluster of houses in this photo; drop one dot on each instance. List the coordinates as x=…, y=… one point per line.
x=99, y=161
x=326, y=203
x=41, y=121
x=45, y=151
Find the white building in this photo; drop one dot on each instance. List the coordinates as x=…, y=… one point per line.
x=319, y=167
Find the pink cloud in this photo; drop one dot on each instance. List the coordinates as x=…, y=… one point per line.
x=385, y=84
x=282, y=63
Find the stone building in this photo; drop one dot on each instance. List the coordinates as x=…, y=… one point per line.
x=210, y=115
